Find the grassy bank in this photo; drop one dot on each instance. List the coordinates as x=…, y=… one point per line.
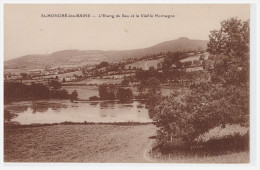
x=87, y=142
x=77, y=143
x=230, y=158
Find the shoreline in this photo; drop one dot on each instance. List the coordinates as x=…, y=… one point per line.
x=17, y=126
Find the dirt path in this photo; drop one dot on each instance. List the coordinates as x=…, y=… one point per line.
x=147, y=150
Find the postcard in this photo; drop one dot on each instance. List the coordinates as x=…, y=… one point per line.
x=127, y=83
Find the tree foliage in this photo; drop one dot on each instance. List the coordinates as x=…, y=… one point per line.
x=153, y=96
x=102, y=64
x=124, y=95
x=125, y=82
x=74, y=95
x=222, y=99
x=107, y=91
x=231, y=40
x=17, y=90
x=55, y=84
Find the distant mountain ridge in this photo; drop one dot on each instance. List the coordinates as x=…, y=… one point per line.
x=84, y=57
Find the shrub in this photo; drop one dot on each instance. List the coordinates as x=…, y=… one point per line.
x=93, y=98
x=8, y=116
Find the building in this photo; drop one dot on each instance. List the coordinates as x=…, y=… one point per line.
x=14, y=77
x=70, y=78
x=36, y=71
x=118, y=76
x=191, y=69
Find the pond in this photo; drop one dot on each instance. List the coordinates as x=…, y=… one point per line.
x=57, y=111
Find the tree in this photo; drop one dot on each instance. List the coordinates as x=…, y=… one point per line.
x=74, y=96
x=102, y=64
x=173, y=121
x=225, y=98
x=230, y=47
x=24, y=75
x=125, y=82
x=173, y=58
x=222, y=99
x=64, y=94
x=15, y=90
x=187, y=64
x=107, y=91
x=231, y=40
x=55, y=84
x=154, y=95
x=124, y=95
x=153, y=85
x=96, y=73
x=40, y=91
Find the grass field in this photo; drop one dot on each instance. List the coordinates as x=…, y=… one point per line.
x=96, y=143
x=84, y=92
x=94, y=81
x=78, y=143
x=238, y=158
x=145, y=64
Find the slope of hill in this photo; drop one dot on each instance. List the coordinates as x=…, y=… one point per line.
x=80, y=57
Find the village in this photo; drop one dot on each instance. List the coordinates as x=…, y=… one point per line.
x=105, y=72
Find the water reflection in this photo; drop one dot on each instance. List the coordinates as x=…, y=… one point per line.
x=16, y=108
x=106, y=105
x=57, y=112
x=44, y=106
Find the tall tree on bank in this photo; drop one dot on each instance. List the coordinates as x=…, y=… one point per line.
x=221, y=100
x=230, y=47
x=225, y=98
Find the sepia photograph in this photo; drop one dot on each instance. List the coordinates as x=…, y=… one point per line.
x=126, y=83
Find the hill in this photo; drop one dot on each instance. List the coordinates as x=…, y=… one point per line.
x=90, y=57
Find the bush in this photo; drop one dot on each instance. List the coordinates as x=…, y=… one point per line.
x=93, y=98
x=229, y=144
x=8, y=116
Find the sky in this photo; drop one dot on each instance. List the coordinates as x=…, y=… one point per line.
x=26, y=32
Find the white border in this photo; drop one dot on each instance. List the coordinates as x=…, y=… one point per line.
x=254, y=92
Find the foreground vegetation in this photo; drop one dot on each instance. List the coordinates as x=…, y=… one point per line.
x=219, y=97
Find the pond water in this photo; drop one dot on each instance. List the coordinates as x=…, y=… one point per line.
x=61, y=111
